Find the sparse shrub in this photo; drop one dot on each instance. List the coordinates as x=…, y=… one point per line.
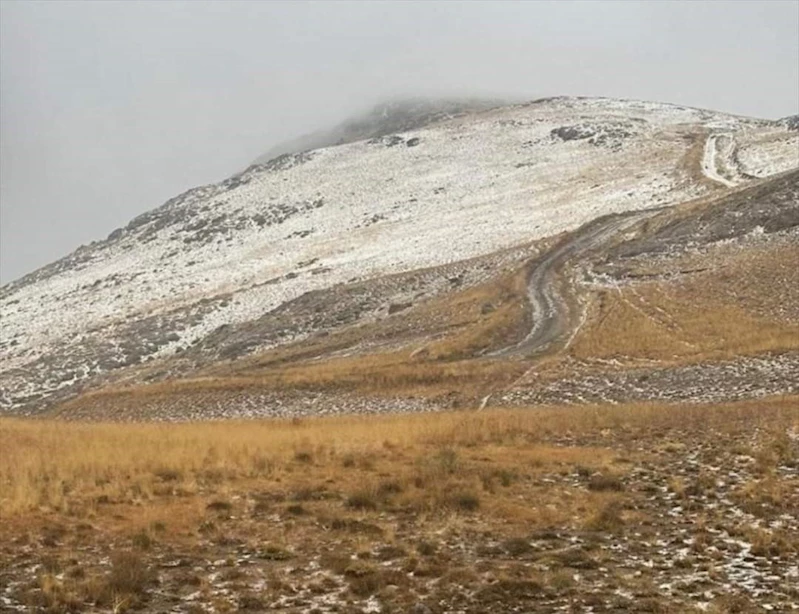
x=295, y=509
x=303, y=456
x=561, y=580
x=446, y=460
x=167, y=474
x=784, y=448
x=608, y=518
x=465, y=501
x=583, y=471
x=508, y=591
x=272, y=552
x=461, y=576
x=516, y=546
x=703, y=485
x=219, y=506
x=348, y=460
x=262, y=465
x=426, y=548
x=337, y=563
x=355, y=526
x=389, y=487
x=55, y=596
x=261, y=507
x=251, y=603
x=129, y=575
x=575, y=558
x=365, y=499
x=142, y=540
x=733, y=604
x=310, y=493
x=390, y=552
x=601, y=482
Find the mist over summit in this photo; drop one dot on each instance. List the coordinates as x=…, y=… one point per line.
x=400, y=114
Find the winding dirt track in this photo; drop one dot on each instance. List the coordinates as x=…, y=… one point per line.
x=550, y=306
x=551, y=309
x=719, y=160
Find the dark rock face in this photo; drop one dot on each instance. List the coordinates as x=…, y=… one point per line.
x=610, y=134
x=392, y=140
x=285, y=161
x=791, y=122
x=772, y=207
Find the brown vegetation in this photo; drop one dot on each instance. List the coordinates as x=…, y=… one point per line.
x=383, y=505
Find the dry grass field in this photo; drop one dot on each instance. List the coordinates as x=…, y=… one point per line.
x=657, y=508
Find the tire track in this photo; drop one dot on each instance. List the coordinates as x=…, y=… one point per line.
x=719, y=160
x=551, y=310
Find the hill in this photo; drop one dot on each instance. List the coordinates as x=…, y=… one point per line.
x=403, y=261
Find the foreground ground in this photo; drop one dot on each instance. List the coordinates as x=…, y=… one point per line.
x=645, y=508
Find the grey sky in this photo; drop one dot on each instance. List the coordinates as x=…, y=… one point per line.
x=108, y=109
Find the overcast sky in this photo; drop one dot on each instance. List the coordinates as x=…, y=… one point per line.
x=108, y=109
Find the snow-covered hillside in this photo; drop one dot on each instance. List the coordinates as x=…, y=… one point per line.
x=229, y=253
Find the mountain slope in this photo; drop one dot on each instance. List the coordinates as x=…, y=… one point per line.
x=391, y=117
x=338, y=245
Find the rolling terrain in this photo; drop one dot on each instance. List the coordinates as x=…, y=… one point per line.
x=444, y=358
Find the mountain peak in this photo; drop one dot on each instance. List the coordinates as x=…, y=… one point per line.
x=392, y=115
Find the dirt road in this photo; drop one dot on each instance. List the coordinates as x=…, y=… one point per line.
x=551, y=310
x=719, y=160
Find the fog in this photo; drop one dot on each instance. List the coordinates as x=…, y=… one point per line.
x=108, y=109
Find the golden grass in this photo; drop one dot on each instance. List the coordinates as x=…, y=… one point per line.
x=352, y=493
x=740, y=303
x=447, y=328
x=61, y=466
x=659, y=322
x=448, y=333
